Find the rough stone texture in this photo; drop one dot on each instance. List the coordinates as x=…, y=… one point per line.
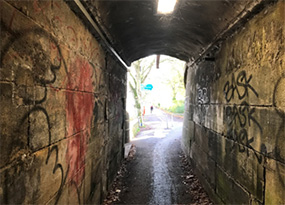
x=275, y=182
x=62, y=97
x=234, y=119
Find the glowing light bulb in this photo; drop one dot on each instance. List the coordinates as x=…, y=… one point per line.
x=166, y=6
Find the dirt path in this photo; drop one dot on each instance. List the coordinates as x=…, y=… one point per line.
x=155, y=174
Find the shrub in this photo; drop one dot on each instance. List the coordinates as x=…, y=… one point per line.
x=177, y=107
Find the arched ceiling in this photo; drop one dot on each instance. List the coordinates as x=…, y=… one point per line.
x=135, y=30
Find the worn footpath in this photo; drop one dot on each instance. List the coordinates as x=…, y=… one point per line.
x=157, y=171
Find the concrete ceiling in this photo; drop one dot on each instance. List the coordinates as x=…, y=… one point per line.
x=135, y=30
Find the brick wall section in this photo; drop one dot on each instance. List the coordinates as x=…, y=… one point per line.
x=62, y=110
x=234, y=125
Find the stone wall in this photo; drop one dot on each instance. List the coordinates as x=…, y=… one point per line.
x=62, y=99
x=234, y=124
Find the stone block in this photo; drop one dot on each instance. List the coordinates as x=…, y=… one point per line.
x=206, y=140
x=203, y=163
x=116, y=70
x=244, y=165
x=200, y=113
x=96, y=55
x=95, y=150
x=94, y=182
x=28, y=50
x=51, y=153
x=186, y=104
x=242, y=98
x=261, y=61
x=112, y=169
x=209, y=188
x=14, y=124
x=39, y=132
x=248, y=171
x=81, y=74
x=228, y=190
x=47, y=118
x=64, y=196
x=201, y=138
x=187, y=135
x=114, y=127
x=99, y=111
x=19, y=20
x=61, y=59
x=261, y=129
x=101, y=80
x=213, y=144
x=214, y=118
x=91, y=190
x=39, y=11
x=30, y=181
x=275, y=182
x=191, y=87
x=190, y=113
x=79, y=112
x=225, y=153
x=66, y=26
x=20, y=183
x=272, y=139
x=54, y=172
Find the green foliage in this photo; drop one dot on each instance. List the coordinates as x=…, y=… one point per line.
x=138, y=74
x=177, y=107
x=174, y=79
x=136, y=131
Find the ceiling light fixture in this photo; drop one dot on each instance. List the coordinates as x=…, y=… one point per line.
x=165, y=6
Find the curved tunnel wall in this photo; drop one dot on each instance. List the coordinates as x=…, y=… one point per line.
x=62, y=99
x=234, y=124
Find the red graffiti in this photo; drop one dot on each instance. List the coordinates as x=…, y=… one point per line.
x=74, y=33
x=79, y=111
x=39, y=9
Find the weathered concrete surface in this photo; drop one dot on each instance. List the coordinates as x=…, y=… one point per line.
x=235, y=115
x=136, y=30
x=63, y=96
x=62, y=100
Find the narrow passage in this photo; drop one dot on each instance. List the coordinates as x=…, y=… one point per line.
x=154, y=175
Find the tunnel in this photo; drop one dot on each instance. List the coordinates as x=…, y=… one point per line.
x=63, y=79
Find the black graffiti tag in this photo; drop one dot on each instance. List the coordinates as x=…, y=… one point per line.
x=241, y=116
x=39, y=76
x=238, y=118
x=240, y=85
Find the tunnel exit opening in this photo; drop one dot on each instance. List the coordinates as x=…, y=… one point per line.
x=149, y=89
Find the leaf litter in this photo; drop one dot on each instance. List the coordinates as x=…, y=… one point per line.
x=194, y=188
x=117, y=185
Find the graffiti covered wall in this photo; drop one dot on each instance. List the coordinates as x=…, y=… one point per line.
x=62, y=100
x=234, y=124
